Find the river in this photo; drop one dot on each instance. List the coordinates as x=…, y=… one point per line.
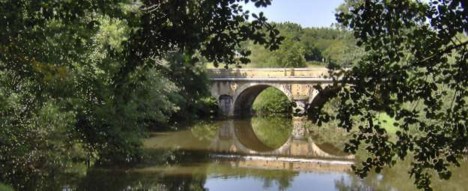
x=271, y=153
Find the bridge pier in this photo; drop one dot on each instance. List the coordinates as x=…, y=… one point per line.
x=299, y=113
x=300, y=107
x=299, y=131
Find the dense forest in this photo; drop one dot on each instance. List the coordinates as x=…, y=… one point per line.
x=306, y=47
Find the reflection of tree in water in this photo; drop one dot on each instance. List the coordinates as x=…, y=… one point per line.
x=396, y=178
x=282, y=178
x=272, y=131
x=193, y=183
x=206, y=131
x=283, y=181
x=157, y=157
x=353, y=184
x=53, y=180
x=329, y=136
x=375, y=181
x=328, y=132
x=121, y=180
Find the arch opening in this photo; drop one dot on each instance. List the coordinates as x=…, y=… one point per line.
x=243, y=104
x=272, y=101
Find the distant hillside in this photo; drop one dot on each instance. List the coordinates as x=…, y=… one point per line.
x=306, y=47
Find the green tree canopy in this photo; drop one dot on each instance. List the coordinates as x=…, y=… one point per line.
x=81, y=80
x=415, y=70
x=307, y=46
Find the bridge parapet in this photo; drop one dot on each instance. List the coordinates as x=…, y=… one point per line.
x=269, y=73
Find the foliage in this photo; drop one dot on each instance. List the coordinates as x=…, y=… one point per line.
x=81, y=80
x=40, y=88
x=329, y=133
x=271, y=101
x=208, y=107
x=301, y=45
x=290, y=55
x=414, y=70
x=192, y=97
x=5, y=187
x=214, y=29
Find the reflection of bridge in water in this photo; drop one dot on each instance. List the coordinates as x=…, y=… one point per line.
x=238, y=143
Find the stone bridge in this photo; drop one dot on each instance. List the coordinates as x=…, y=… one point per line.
x=236, y=89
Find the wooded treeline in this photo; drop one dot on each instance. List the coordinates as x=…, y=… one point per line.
x=304, y=47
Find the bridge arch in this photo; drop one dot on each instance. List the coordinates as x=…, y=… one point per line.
x=246, y=94
x=239, y=137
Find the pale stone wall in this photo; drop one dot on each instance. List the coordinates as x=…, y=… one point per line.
x=269, y=73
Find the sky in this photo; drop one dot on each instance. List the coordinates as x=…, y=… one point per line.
x=308, y=13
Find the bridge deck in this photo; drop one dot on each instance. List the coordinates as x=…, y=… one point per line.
x=295, y=74
x=275, y=79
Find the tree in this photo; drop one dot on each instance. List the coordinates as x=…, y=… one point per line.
x=334, y=46
x=415, y=70
x=290, y=53
x=81, y=80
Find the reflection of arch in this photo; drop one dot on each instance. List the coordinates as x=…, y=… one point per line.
x=244, y=141
x=246, y=94
x=244, y=133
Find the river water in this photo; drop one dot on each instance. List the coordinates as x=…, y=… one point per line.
x=271, y=153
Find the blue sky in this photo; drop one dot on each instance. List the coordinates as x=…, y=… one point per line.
x=308, y=13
